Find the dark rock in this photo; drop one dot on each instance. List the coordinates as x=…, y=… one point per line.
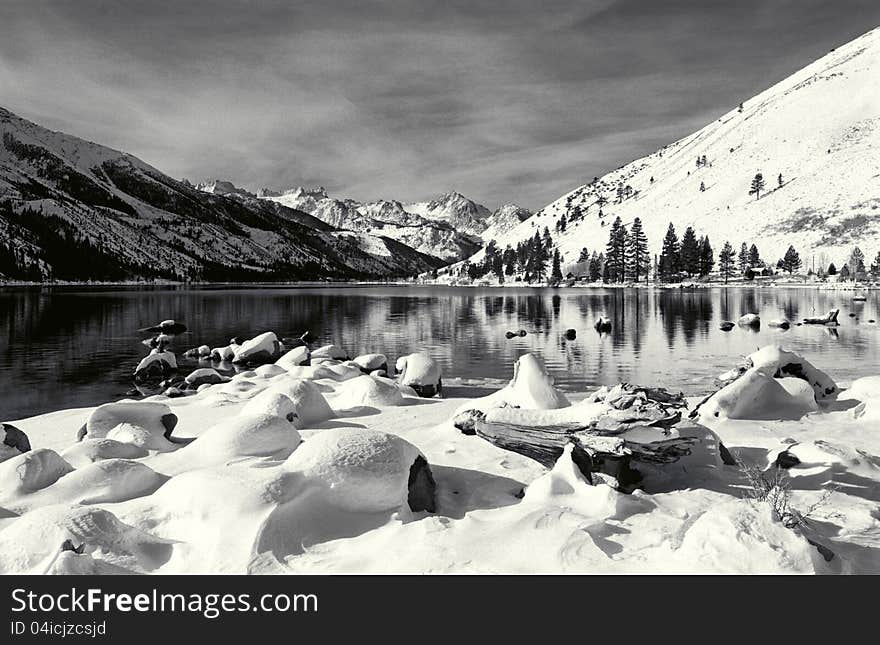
x=510, y=335
x=428, y=391
x=521, y=333
x=15, y=438
x=726, y=457
x=422, y=487
x=67, y=545
x=727, y=325
x=827, y=553
x=173, y=392
x=520, y=493
x=465, y=421
x=308, y=337
x=872, y=320
x=786, y=460
x=169, y=421
x=570, y=334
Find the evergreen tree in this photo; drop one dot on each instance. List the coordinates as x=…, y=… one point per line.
x=726, y=261
x=584, y=256
x=615, y=252
x=832, y=270
x=596, y=262
x=856, y=262
x=556, y=272
x=690, y=252
x=601, y=201
x=670, y=261
x=702, y=187
x=792, y=260
x=707, y=257
x=743, y=258
x=757, y=186
x=754, y=257
x=637, y=256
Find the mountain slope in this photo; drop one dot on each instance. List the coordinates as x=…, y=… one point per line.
x=819, y=129
x=456, y=210
x=388, y=218
x=63, y=199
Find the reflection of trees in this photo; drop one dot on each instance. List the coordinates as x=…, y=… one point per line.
x=689, y=311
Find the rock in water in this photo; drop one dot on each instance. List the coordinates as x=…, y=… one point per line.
x=15, y=442
x=295, y=357
x=372, y=362
x=779, y=324
x=264, y=348
x=420, y=372
x=603, y=325
x=570, y=334
x=204, y=375
x=726, y=325
x=829, y=319
x=750, y=320
x=167, y=327
x=155, y=366
x=366, y=470
x=334, y=352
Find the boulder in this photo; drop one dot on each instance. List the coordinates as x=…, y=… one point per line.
x=295, y=357
x=371, y=362
x=779, y=323
x=750, y=320
x=420, y=372
x=570, y=334
x=264, y=348
x=366, y=470
x=226, y=353
x=155, y=366
x=603, y=325
x=152, y=419
x=331, y=351
x=14, y=442
x=204, y=375
x=31, y=471
x=726, y=325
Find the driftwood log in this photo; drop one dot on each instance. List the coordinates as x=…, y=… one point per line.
x=602, y=444
x=828, y=319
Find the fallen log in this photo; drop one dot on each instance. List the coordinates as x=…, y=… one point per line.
x=828, y=319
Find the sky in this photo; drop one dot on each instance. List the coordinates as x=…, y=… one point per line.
x=503, y=101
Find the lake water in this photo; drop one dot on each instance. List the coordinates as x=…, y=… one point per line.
x=63, y=347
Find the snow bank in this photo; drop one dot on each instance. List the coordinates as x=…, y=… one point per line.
x=31, y=471
x=91, y=450
x=105, y=481
x=152, y=418
x=241, y=436
x=530, y=388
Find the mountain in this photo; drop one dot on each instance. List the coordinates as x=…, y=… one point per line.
x=818, y=131
x=504, y=220
x=436, y=237
x=71, y=209
x=456, y=210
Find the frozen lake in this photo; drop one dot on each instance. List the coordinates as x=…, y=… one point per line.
x=63, y=347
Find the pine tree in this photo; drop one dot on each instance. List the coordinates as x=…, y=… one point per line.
x=754, y=257
x=832, y=270
x=726, y=261
x=856, y=262
x=690, y=252
x=670, y=260
x=601, y=201
x=707, y=257
x=702, y=187
x=637, y=256
x=743, y=258
x=779, y=179
x=556, y=272
x=584, y=256
x=757, y=186
x=596, y=262
x=792, y=260
x=615, y=252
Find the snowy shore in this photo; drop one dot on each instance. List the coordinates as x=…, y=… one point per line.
x=297, y=468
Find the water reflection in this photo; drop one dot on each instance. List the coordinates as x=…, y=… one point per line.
x=73, y=347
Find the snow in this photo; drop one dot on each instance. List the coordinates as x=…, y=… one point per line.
x=262, y=348
x=826, y=204
x=255, y=493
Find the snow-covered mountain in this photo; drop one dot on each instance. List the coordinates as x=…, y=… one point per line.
x=438, y=236
x=504, y=220
x=455, y=209
x=72, y=209
x=815, y=138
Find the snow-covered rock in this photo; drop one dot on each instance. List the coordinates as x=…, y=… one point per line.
x=264, y=348
x=242, y=436
x=309, y=403
x=295, y=357
x=155, y=366
x=330, y=351
x=204, y=375
x=13, y=441
x=362, y=470
x=530, y=388
x=88, y=451
x=749, y=320
x=154, y=419
x=371, y=362
x=367, y=390
x=420, y=372
x=31, y=471
x=273, y=403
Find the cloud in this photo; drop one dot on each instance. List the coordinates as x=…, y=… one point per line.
x=503, y=101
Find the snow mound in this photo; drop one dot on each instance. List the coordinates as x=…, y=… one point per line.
x=204, y=375
x=270, y=370
x=253, y=435
x=361, y=470
x=330, y=351
x=31, y=471
x=530, y=388
x=105, y=481
x=272, y=403
x=371, y=362
x=775, y=361
x=367, y=390
x=90, y=450
x=151, y=418
x=310, y=405
x=31, y=543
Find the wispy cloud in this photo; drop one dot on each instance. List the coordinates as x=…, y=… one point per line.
x=503, y=101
